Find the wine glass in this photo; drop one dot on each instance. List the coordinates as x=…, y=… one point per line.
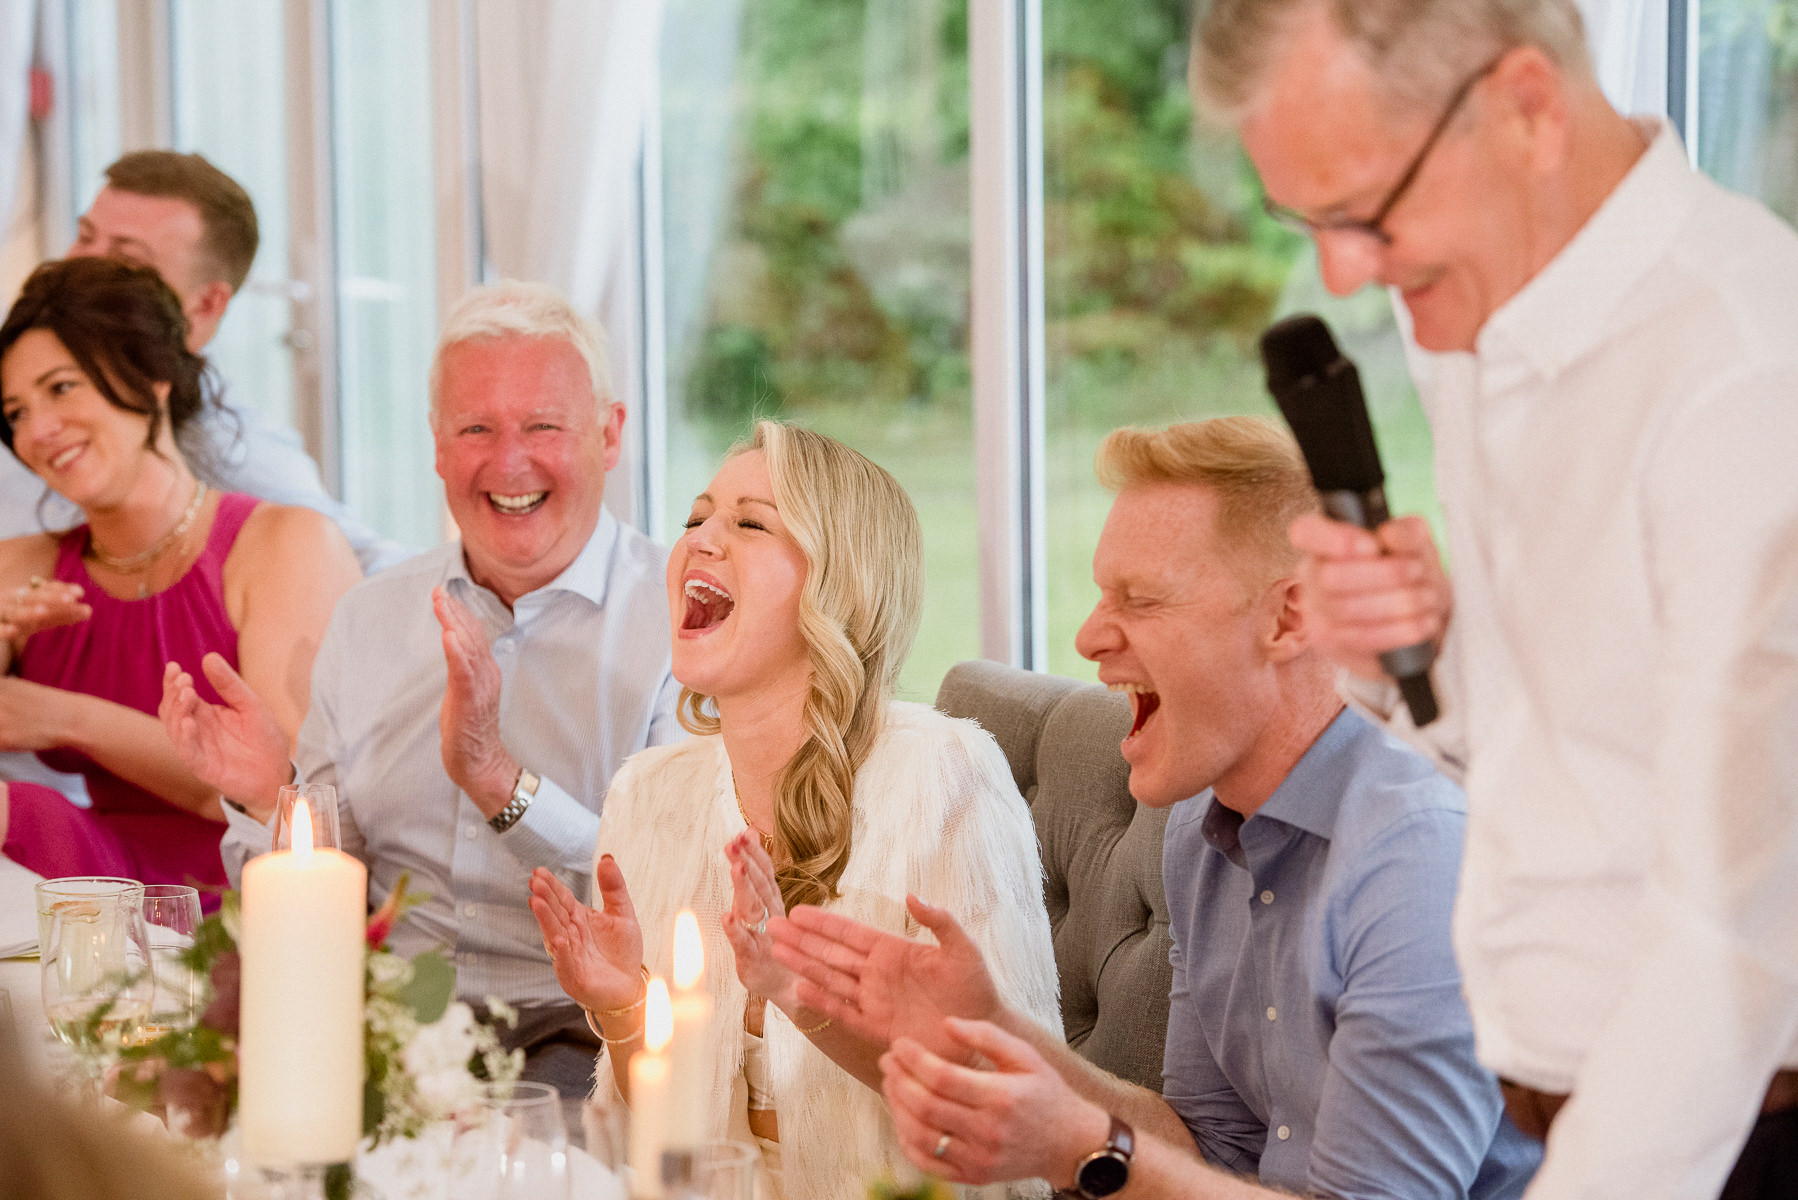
x=97, y=982
x=171, y=918
x=514, y=1146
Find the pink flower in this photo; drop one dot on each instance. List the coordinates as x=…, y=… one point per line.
x=221, y=1014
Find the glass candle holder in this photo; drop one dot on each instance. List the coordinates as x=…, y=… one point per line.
x=321, y=802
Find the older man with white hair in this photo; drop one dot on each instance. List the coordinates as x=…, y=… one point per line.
x=471, y=704
x=1609, y=359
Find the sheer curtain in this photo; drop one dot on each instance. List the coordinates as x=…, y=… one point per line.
x=1628, y=39
x=16, y=19
x=564, y=88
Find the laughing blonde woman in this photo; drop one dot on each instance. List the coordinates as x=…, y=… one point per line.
x=795, y=594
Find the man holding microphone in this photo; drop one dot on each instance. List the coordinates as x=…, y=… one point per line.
x=1608, y=354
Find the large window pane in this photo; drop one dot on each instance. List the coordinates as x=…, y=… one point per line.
x=1747, y=118
x=386, y=265
x=230, y=104
x=815, y=169
x=1161, y=273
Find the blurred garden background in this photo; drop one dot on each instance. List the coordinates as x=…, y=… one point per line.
x=816, y=239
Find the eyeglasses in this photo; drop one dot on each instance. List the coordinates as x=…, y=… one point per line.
x=1375, y=226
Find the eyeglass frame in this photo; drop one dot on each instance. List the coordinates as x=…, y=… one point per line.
x=1375, y=226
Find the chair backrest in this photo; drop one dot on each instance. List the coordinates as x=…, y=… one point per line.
x=1101, y=855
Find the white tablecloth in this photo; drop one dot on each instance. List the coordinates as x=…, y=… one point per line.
x=19, y=976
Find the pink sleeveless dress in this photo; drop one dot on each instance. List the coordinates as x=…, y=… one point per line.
x=118, y=654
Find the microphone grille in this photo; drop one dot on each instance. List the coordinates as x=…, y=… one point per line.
x=1296, y=347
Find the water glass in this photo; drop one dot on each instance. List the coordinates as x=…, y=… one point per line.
x=77, y=890
x=725, y=1171
x=97, y=982
x=514, y=1146
x=171, y=918
x=321, y=803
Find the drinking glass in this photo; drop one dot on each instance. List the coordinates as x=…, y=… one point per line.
x=79, y=889
x=321, y=801
x=722, y=1171
x=97, y=982
x=513, y=1146
x=171, y=918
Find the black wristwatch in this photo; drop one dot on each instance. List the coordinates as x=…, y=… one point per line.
x=1106, y=1170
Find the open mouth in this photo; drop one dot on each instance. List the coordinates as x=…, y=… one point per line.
x=516, y=505
x=1143, y=704
x=64, y=458
x=708, y=605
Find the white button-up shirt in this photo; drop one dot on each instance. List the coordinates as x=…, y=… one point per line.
x=585, y=684
x=1618, y=466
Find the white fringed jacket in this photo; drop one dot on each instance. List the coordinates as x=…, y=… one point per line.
x=937, y=814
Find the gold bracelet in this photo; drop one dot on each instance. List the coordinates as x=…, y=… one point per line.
x=824, y=1024
x=634, y=1005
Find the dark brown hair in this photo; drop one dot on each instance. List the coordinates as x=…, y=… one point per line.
x=229, y=236
x=124, y=328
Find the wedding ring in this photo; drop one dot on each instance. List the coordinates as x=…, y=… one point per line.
x=37, y=581
x=942, y=1147
x=760, y=926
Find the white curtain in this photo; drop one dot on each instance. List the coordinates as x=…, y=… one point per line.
x=1628, y=39
x=564, y=87
x=16, y=20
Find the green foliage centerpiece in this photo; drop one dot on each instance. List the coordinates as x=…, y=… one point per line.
x=426, y=1055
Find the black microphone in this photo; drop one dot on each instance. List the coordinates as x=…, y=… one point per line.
x=1319, y=393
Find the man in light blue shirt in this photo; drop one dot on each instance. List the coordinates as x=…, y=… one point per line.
x=471, y=704
x=1317, y=1041
x=193, y=224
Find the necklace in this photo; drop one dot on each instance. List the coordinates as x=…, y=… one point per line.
x=141, y=561
x=767, y=839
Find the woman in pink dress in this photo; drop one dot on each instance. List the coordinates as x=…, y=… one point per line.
x=96, y=384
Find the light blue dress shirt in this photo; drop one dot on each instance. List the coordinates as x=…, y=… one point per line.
x=231, y=448
x=1317, y=1036
x=584, y=665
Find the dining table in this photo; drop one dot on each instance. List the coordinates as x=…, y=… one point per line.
x=400, y=1170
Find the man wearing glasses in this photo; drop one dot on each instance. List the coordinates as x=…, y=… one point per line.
x=1608, y=353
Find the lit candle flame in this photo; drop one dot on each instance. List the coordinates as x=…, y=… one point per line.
x=689, y=951
x=302, y=828
x=658, y=1017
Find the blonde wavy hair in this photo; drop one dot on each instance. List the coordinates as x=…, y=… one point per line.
x=858, y=614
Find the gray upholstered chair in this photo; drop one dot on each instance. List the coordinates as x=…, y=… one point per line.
x=1101, y=855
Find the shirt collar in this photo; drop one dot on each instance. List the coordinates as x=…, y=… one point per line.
x=1564, y=311
x=587, y=576
x=1307, y=799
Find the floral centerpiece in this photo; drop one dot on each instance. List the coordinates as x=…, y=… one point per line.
x=426, y=1053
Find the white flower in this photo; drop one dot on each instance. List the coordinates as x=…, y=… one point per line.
x=437, y=1059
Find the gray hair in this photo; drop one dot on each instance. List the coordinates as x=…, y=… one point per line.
x=525, y=310
x=1420, y=49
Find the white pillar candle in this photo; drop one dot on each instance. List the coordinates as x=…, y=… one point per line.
x=693, y=1055
x=649, y=1092
x=300, y=1036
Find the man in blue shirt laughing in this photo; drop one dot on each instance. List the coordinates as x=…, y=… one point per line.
x=1317, y=1040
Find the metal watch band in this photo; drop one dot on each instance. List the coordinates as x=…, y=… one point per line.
x=523, y=792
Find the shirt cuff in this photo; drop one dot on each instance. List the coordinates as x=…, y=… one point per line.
x=556, y=831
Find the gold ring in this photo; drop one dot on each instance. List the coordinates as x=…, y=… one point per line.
x=942, y=1147
x=37, y=581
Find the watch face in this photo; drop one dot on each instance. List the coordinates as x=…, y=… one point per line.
x=1102, y=1175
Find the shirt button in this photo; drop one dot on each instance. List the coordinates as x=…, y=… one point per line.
x=1273, y=1014
x=468, y=910
x=1282, y=1133
x=1267, y=897
x=508, y=643
x=469, y=832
